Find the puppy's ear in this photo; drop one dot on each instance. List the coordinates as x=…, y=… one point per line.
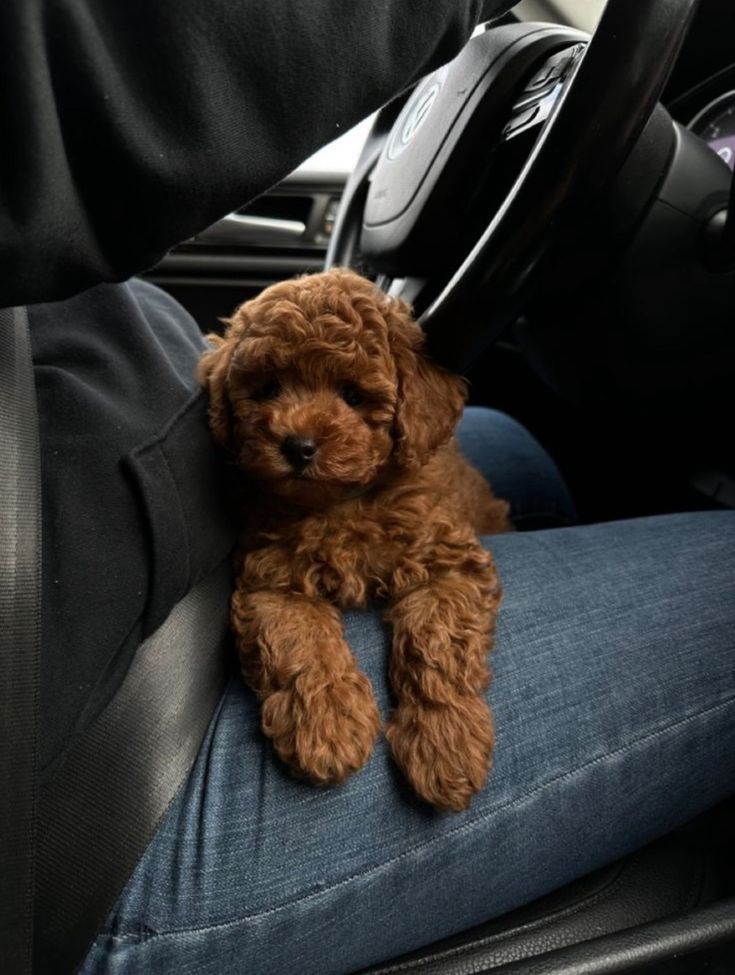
x=213, y=374
x=430, y=399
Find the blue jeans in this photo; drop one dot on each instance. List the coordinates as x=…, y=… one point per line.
x=614, y=704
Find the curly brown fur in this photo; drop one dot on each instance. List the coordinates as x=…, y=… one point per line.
x=385, y=508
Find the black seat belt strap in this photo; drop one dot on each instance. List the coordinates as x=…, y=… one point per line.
x=20, y=635
x=101, y=810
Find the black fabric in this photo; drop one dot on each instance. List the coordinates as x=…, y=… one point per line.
x=20, y=596
x=101, y=811
x=134, y=512
x=136, y=542
x=129, y=125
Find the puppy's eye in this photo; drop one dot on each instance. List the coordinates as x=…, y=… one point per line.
x=352, y=395
x=268, y=390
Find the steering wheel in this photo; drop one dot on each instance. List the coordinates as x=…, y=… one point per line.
x=463, y=185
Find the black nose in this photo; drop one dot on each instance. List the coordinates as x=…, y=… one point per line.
x=298, y=451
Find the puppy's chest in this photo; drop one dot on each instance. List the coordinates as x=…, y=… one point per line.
x=348, y=563
x=350, y=560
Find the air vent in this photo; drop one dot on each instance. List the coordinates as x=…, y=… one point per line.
x=280, y=207
x=295, y=218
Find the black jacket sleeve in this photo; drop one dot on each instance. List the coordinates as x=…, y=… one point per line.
x=129, y=125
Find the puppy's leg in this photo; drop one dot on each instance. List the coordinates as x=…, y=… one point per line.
x=441, y=732
x=316, y=705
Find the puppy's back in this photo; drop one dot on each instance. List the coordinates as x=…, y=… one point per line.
x=467, y=492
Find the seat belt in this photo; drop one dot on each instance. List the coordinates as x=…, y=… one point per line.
x=67, y=850
x=20, y=638
x=101, y=810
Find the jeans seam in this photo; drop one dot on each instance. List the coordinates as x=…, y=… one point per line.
x=153, y=934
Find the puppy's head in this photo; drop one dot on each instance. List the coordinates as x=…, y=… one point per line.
x=319, y=388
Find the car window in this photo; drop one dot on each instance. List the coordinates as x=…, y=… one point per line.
x=339, y=156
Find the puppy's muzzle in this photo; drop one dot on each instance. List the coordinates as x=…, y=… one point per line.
x=299, y=451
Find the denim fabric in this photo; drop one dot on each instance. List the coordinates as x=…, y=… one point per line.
x=614, y=701
x=517, y=467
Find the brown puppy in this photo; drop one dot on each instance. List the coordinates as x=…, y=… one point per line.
x=321, y=393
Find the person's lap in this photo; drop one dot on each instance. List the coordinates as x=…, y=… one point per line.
x=614, y=704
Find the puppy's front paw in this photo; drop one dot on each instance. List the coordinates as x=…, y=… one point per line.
x=445, y=750
x=323, y=729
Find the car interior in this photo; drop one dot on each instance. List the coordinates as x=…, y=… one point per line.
x=568, y=206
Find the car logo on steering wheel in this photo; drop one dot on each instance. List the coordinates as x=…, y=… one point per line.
x=416, y=113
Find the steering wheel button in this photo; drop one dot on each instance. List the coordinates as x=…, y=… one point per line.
x=532, y=98
x=554, y=69
x=520, y=120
